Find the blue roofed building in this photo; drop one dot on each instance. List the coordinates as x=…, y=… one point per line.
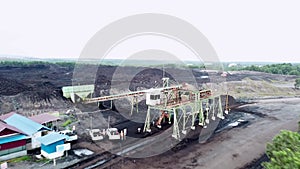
x=29, y=127
x=53, y=145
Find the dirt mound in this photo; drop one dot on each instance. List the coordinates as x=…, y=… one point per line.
x=148, y=78
x=43, y=91
x=10, y=87
x=33, y=88
x=36, y=92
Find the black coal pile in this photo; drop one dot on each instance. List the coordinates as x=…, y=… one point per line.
x=43, y=91
x=9, y=87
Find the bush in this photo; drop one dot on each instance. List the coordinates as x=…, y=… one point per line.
x=297, y=83
x=66, y=123
x=284, y=151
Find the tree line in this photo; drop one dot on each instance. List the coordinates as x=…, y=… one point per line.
x=282, y=68
x=34, y=63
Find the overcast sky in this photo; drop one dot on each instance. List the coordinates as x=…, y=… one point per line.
x=256, y=30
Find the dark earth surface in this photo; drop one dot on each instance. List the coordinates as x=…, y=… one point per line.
x=41, y=84
x=44, y=81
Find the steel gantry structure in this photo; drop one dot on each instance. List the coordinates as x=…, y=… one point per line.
x=178, y=103
x=184, y=108
x=134, y=96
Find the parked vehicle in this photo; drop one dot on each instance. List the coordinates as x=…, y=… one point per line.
x=113, y=134
x=71, y=134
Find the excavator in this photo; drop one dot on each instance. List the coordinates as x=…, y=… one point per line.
x=162, y=116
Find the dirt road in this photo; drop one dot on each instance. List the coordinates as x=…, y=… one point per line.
x=235, y=148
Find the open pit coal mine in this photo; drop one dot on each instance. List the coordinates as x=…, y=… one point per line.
x=21, y=87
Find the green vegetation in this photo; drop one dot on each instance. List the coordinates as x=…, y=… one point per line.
x=20, y=159
x=27, y=158
x=297, y=83
x=66, y=123
x=284, y=151
x=34, y=63
x=20, y=63
x=282, y=68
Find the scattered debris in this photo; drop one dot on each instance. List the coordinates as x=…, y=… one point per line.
x=83, y=152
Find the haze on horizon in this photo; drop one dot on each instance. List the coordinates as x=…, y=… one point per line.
x=253, y=31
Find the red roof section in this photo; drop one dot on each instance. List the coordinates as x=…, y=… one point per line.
x=44, y=118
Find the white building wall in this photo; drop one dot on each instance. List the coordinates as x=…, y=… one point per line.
x=152, y=102
x=34, y=142
x=52, y=155
x=13, y=155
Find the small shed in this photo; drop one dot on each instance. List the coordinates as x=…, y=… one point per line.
x=153, y=97
x=50, y=144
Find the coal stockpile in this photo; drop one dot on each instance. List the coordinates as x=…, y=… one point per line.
x=10, y=87
x=43, y=91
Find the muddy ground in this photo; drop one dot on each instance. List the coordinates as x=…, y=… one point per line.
x=37, y=89
x=235, y=148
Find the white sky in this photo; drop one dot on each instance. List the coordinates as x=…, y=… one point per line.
x=256, y=30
